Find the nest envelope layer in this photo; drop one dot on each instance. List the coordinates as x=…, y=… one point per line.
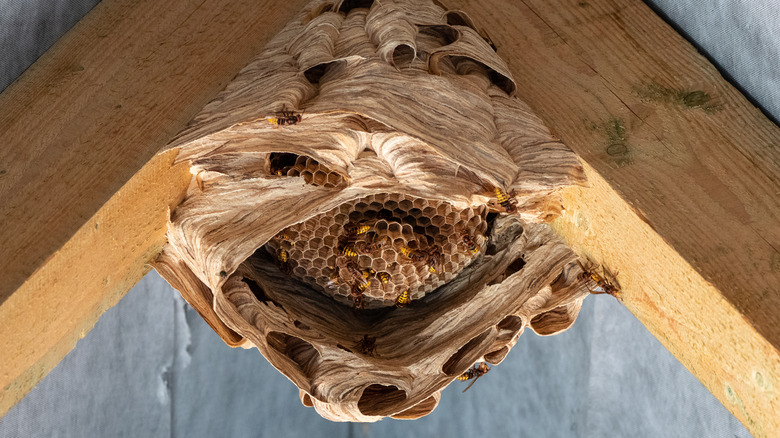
x=398, y=117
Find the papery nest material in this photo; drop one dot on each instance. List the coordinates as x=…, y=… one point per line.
x=400, y=98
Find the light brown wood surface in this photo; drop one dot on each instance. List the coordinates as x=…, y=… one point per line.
x=82, y=196
x=683, y=170
x=684, y=173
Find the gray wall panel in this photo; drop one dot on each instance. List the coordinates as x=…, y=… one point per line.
x=742, y=37
x=151, y=367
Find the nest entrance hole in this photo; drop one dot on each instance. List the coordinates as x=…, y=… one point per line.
x=302, y=353
x=510, y=324
x=495, y=357
x=421, y=409
x=257, y=290
x=349, y=5
x=294, y=165
x=553, y=321
x=467, y=354
x=380, y=400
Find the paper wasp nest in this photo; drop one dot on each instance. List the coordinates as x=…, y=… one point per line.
x=366, y=209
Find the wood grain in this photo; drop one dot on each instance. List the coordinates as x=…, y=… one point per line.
x=684, y=173
x=79, y=132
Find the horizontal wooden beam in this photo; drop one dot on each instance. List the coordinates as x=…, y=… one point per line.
x=82, y=195
x=684, y=183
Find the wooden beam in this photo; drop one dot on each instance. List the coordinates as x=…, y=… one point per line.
x=684, y=172
x=684, y=176
x=82, y=195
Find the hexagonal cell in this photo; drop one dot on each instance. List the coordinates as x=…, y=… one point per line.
x=452, y=218
x=330, y=240
x=364, y=261
x=423, y=221
x=437, y=220
x=326, y=220
x=447, y=229
x=420, y=203
x=405, y=205
x=300, y=160
x=378, y=264
x=385, y=214
x=407, y=270
x=394, y=230
x=314, y=271
x=345, y=208
x=381, y=227
x=412, y=244
x=388, y=254
x=335, y=178
x=324, y=251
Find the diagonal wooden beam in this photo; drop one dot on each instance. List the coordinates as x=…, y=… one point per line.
x=684, y=173
x=685, y=178
x=82, y=195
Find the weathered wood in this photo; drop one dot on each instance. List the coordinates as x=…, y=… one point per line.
x=684, y=173
x=79, y=132
x=676, y=157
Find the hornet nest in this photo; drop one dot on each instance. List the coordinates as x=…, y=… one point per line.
x=367, y=209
